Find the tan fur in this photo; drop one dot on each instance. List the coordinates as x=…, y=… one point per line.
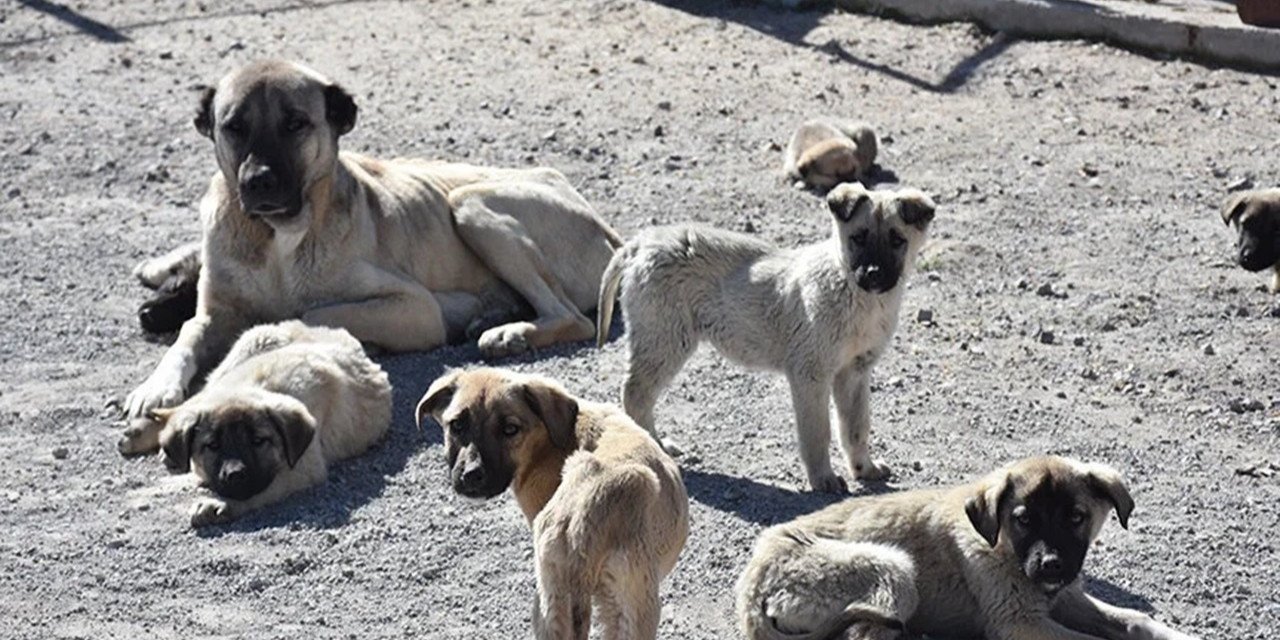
x=320, y=375
x=404, y=254
x=823, y=153
x=609, y=514
x=916, y=557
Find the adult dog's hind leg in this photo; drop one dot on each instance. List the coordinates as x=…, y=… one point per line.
x=182, y=261
x=508, y=249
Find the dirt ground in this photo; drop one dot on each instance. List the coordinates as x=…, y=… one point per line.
x=1080, y=280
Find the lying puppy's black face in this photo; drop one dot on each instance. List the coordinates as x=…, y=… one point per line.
x=1046, y=512
x=1256, y=215
x=238, y=451
x=880, y=232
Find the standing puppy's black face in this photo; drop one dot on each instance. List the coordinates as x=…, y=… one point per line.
x=1256, y=215
x=1048, y=512
x=880, y=232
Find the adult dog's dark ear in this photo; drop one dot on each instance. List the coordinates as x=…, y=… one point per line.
x=983, y=507
x=340, y=108
x=437, y=397
x=917, y=209
x=295, y=426
x=557, y=410
x=1233, y=207
x=845, y=199
x=1108, y=483
x=176, y=437
x=204, y=111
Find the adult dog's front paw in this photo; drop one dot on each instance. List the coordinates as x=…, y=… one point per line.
x=506, y=340
x=155, y=393
x=872, y=470
x=207, y=511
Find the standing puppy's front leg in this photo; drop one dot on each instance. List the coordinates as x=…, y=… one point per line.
x=852, y=391
x=1080, y=611
x=811, y=397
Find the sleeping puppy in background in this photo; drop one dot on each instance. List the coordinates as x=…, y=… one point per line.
x=173, y=277
x=608, y=507
x=288, y=400
x=824, y=153
x=821, y=314
x=1000, y=558
x=1256, y=215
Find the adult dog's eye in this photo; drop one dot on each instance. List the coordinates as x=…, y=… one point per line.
x=896, y=240
x=1022, y=516
x=859, y=238
x=295, y=125
x=510, y=429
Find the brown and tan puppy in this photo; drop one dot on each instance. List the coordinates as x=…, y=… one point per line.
x=404, y=254
x=608, y=508
x=823, y=153
x=999, y=558
x=1256, y=215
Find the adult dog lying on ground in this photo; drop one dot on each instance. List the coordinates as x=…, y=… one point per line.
x=824, y=153
x=1000, y=559
x=404, y=254
x=288, y=400
x=1256, y=215
x=608, y=508
x=821, y=314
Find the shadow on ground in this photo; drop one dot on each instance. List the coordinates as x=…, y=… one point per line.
x=761, y=503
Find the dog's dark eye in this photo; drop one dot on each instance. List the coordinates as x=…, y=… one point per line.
x=1076, y=517
x=212, y=446
x=1022, y=516
x=859, y=238
x=510, y=429
x=457, y=426
x=233, y=127
x=896, y=240
x=260, y=441
x=295, y=125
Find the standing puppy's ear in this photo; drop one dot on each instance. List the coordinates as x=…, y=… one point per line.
x=204, y=112
x=340, y=108
x=295, y=426
x=1107, y=482
x=1233, y=207
x=557, y=410
x=845, y=199
x=983, y=508
x=437, y=396
x=917, y=208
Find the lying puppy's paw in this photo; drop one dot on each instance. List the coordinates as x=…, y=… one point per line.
x=141, y=436
x=506, y=340
x=207, y=511
x=872, y=470
x=830, y=483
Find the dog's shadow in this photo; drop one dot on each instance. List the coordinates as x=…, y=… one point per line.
x=760, y=503
x=1114, y=594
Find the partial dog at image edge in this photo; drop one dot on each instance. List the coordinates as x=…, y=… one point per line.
x=173, y=277
x=607, y=506
x=287, y=401
x=404, y=254
x=826, y=152
x=1256, y=216
x=1000, y=558
x=821, y=314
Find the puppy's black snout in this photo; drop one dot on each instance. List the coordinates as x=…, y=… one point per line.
x=260, y=180
x=472, y=476
x=232, y=471
x=1051, y=569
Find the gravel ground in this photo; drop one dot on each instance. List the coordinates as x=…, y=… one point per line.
x=1080, y=282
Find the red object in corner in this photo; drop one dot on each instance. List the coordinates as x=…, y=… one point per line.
x=1259, y=13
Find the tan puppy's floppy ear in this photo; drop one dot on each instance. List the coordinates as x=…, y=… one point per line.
x=1234, y=206
x=983, y=508
x=845, y=199
x=340, y=109
x=556, y=409
x=296, y=428
x=437, y=396
x=175, y=439
x=204, y=111
x=1109, y=484
x=917, y=209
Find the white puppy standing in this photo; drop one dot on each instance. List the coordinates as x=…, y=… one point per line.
x=821, y=314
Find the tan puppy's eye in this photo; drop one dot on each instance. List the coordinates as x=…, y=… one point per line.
x=296, y=124
x=211, y=445
x=859, y=238
x=1076, y=517
x=1022, y=516
x=233, y=127
x=510, y=429
x=457, y=425
x=259, y=441
x=896, y=240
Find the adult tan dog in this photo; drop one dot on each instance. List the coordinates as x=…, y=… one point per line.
x=824, y=153
x=608, y=508
x=821, y=314
x=999, y=558
x=288, y=400
x=1256, y=215
x=404, y=254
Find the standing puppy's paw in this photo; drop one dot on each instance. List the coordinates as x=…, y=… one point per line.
x=872, y=470
x=831, y=483
x=506, y=340
x=207, y=511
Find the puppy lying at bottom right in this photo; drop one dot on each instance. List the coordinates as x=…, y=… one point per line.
x=999, y=558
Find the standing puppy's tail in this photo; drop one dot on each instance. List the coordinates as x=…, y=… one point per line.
x=609, y=284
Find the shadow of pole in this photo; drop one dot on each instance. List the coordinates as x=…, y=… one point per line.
x=956, y=78
x=85, y=24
